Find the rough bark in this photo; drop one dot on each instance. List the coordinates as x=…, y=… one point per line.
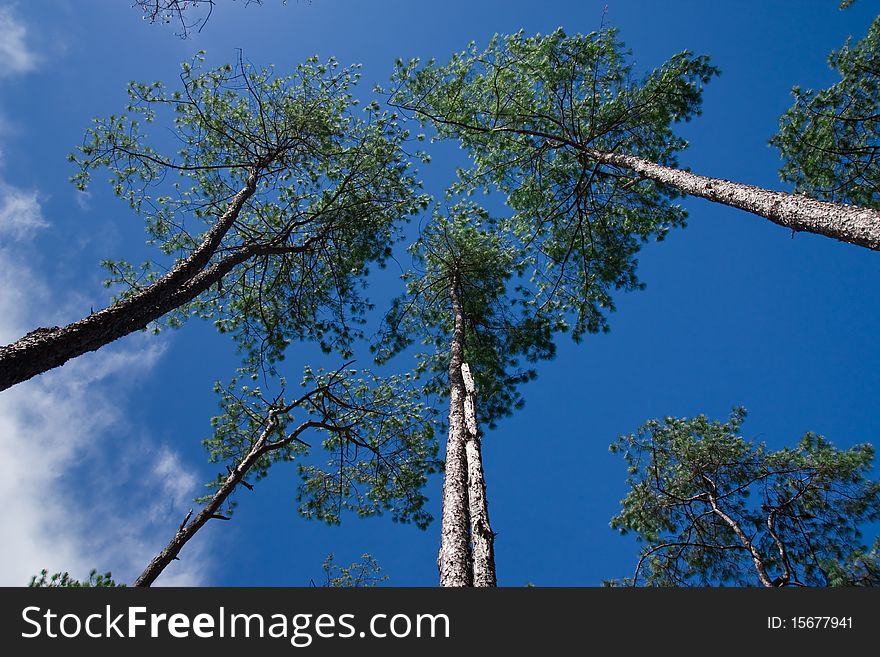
x=482, y=537
x=454, y=559
x=46, y=348
x=847, y=223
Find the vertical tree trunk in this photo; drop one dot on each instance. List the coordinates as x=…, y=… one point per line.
x=481, y=532
x=454, y=559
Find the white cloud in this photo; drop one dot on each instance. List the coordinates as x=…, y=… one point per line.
x=20, y=212
x=82, y=199
x=16, y=55
x=82, y=487
x=177, y=484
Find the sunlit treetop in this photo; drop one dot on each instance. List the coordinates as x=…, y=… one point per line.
x=463, y=252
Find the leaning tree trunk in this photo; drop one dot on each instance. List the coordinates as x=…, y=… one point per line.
x=189, y=527
x=847, y=223
x=46, y=348
x=481, y=532
x=454, y=559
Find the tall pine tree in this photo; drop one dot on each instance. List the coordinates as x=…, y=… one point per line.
x=561, y=125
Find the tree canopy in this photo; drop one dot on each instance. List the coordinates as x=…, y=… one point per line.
x=714, y=509
x=281, y=192
x=322, y=183
x=465, y=250
x=563, y=127
x=525, y=107
x=377, y=432
x=830, y=139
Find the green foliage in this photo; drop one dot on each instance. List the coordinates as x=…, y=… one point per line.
x=466, y=252
x=376, y=432
x=332, y=183
x=861, y=567
x=529, y=111
x=830, y=139
x=363, y=573
x=692, y=481
x=64, y=580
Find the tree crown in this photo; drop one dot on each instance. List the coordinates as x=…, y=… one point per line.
x=715, y=509
x=830, y=139
x=530, y=111
x=282, y=180
x=376, y=431
x=464, y=253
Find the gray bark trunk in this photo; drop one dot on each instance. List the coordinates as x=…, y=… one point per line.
x=847, y=223
x=46, y=348
x=481, y=531
x=454, y=559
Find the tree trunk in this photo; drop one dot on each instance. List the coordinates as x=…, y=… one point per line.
x=847, y=223
x=481, y=532
x=188, y=529
x=454, y=559
x=46, y=348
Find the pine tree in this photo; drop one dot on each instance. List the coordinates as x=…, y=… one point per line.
x=714, y=509
x=830, y=139
x=560, y=124
x=377, y=434
x=266, y=219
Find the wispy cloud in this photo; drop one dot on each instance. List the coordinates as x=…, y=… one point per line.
x=82, y=487
x=16, y=53
x=20, y=212
x=82, y=199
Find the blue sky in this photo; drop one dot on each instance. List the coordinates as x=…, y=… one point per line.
x=102, y=458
